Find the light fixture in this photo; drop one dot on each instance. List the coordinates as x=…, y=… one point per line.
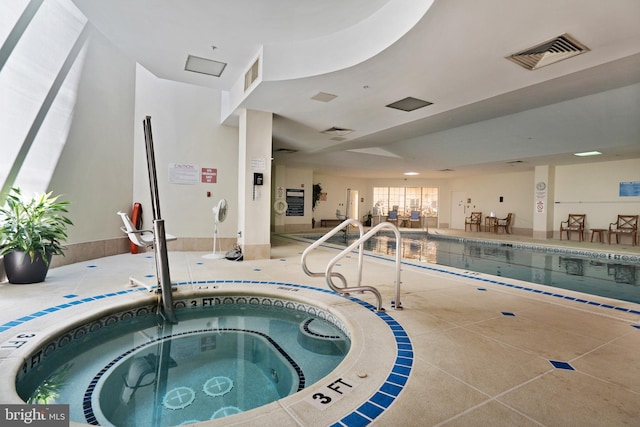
x=204, y=66
x=587, y=153
x=411, y=173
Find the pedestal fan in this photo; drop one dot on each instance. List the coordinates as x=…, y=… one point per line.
x=219, y=215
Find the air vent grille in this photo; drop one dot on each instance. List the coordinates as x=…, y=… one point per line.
x=336, y=131
x=549, y=52
x=252, y=74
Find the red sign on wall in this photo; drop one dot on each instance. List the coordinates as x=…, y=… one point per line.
x=209, y=175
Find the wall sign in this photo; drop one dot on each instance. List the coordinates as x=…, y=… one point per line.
x=295, y=202
x=209, y=175
x=182, y=173
x=630, y=189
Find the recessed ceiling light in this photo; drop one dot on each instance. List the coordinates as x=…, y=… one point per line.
x=588, y=153
x=411, y=173
x=204, y=66
x=409, y=104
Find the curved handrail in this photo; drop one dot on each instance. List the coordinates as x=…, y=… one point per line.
x=334, y=231
x=329, y=271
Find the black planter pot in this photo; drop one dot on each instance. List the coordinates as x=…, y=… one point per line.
x=20, y=270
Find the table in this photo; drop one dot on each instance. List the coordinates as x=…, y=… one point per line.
x=491, y=223
x=599, y=232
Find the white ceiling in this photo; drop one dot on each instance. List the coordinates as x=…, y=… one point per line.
x=488, y=114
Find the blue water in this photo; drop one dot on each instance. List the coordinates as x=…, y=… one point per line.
x=130, y=369
x=584, y=273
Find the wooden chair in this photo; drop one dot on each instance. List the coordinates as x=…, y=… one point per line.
x=474, y=219
x=574, y=223
x=626, y=225
x=504, y=223
x=415, y=220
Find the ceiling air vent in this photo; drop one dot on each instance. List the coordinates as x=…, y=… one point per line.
x=409, y=104
x=549, y=52
x=336, y=131
x=252, y=74
x=324, y=97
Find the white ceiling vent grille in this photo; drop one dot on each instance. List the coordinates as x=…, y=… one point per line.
x=252, y=74
x=549, y=52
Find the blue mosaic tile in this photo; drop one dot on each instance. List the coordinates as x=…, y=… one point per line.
x=507, y=313
x=404, y=361
x=402, y=370
x=391, y=389
x=561, y=365
x=370, y=410
x=70, y=296
x=397, y=379
x=92, y=266
x=482, y=289
x=382, y=399
x=636, y=326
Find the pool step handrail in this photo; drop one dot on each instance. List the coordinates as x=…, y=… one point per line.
x=329, y=274
x=397, y=304
x=342, y=226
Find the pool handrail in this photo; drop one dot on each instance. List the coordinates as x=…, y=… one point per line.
x=397, y=305
x=329, y=274
x=329, y=234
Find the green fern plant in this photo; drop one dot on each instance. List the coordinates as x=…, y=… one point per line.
x=34, y=226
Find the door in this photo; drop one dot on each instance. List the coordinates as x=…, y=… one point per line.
x=352, y=204
x=458, y=209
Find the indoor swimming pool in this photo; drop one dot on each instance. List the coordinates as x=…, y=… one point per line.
x=226, y=355
x=591, y=272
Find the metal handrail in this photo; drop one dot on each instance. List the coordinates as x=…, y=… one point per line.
x=330, y=274
x=334, y=231
x=159, y=236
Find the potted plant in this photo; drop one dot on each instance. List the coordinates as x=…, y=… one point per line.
x=317, y=191
x=31, y=232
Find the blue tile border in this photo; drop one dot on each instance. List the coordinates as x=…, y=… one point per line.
x=474, y=276
x=361, y=416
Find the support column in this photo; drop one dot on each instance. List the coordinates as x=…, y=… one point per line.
x=543, y=194
x=254, y=201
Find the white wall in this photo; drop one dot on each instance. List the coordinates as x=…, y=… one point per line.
x=336, y=189
x=184, y=121
x=485, y=191
x=94, y=171
x=593, y=189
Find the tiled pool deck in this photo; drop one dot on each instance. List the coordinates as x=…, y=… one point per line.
x=467, y=349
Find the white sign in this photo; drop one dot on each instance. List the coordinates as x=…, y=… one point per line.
x=182, y=173
x=258, y=164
